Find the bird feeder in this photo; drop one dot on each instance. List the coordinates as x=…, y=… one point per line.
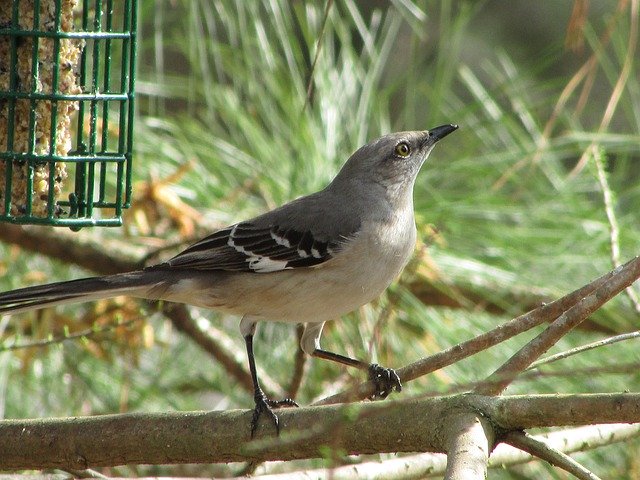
x=66, y=111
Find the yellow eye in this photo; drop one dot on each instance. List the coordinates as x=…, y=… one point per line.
x=402, y=149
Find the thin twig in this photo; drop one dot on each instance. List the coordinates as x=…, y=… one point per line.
x=615, y=368
x=614, y=230
x=616, y=93
x=623, y=277
x=87, y=333
x=587, y=70
x=298, y=367
x=543, y=451
x=607, y=197
x=584, y=348
x=317, y=55
x=86, y=473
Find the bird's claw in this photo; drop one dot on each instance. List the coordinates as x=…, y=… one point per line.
x=265, y=405
x=386, y=380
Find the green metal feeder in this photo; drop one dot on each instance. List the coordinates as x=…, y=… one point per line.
x=66, y=111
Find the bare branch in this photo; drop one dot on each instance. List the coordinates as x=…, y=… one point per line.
x=520, y=324
x=503, y=376
x=73, y=248
x=543, y=451
x=469, y=444
x=298, y=367
x=206, y=437
x=584, y=348
x=223, y=436
x=214, y=345
x=521, y=412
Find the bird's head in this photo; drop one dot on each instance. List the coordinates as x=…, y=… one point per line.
x=394, y=160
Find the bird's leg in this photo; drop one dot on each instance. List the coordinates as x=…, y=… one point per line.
x=386, y=380
x=263, y=404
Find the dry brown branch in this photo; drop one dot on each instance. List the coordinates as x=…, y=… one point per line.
x=503, y=376
x=621, y=82
x=184, y=322
x=486, y=340
x=73, y=248
x=543, y=451
x=298, y=367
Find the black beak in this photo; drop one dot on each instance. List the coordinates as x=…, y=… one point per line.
x=440, y=132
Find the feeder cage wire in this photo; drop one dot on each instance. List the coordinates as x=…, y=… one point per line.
x=66, y=111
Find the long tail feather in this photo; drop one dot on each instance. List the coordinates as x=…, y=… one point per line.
x=82, y=290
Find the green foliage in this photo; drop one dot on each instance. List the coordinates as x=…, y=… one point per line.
x=519, y=217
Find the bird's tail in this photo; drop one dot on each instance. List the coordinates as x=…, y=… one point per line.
x=135, y=284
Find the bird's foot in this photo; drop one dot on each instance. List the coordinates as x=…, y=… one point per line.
x=386, y=380
x=265, y=405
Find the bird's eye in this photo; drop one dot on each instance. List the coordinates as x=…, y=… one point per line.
x=402, y=149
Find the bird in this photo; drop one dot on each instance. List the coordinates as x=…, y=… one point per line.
x=308, y=261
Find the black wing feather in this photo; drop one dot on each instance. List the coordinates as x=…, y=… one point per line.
x=246, y=247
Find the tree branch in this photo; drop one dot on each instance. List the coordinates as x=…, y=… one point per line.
x=224, y=436
x=543, y=451
x=622, y=277
x=583, y=348
x=424, y=465
x=470, y=442
x=298, y=367
x=520, y=324
x=73, y=248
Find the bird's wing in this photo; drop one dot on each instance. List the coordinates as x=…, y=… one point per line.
x=247, y=247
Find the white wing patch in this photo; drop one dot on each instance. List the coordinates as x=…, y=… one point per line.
x=260, y=263
x=280, y=240
x=266, y=264
x=231, y=243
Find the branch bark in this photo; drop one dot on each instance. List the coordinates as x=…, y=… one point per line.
x=425, y=465
x=212, y=437
x=470, y=441
x=543, y=451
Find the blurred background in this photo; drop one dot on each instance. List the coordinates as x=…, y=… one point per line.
x=243, y=106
